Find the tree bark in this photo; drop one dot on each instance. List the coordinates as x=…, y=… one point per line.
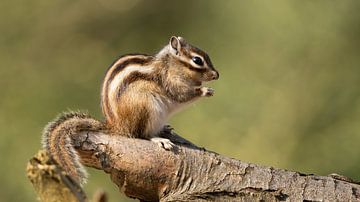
x=147, y=172
x=143, y=170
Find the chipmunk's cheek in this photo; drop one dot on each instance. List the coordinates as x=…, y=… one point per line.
x=197, y=83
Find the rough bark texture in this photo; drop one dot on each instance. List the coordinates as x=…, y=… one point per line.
x=50, y=183
x=144, y=171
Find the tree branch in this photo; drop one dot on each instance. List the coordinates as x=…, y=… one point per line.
x=144, y=171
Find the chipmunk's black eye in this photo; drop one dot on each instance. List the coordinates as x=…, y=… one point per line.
x=197, y=60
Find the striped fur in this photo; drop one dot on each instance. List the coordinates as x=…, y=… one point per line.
x=118, y=69
x=140, y=92
x=57, y=141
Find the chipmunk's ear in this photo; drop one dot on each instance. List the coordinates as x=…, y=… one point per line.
x=175, y=44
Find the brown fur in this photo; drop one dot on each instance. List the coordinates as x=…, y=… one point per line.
x=173, y=78
x=134, y=118
x=116, y=68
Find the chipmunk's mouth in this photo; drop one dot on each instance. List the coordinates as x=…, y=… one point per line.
x=202, y=84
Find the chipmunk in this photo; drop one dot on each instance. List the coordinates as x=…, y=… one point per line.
x=139, y=94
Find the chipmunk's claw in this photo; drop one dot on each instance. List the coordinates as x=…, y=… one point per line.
x=163, y=143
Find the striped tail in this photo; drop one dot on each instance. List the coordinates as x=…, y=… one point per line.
x=57, y=141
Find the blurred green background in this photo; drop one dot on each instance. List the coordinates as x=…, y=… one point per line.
x=288, y=94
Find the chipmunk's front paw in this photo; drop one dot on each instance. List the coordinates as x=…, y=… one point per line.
x=207, y=92
x=167, y=129
x=163, y=143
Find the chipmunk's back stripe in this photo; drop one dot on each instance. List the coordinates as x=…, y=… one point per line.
x=115, y=69
x=132, y=77
x=121, y=58
x=135, y=59
x=122, y=80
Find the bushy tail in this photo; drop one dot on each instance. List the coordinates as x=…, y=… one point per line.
x=57, y=141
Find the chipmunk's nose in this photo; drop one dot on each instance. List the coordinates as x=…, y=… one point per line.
x=215, y=75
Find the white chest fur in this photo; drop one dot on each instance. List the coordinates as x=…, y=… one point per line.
x=160, y=112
